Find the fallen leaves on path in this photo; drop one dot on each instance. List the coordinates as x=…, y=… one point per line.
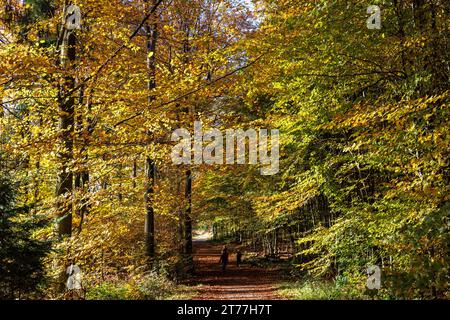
x=244, y=283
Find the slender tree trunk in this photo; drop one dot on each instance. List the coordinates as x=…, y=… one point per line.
x=151, y=39
x=64, y=188
x=134, y=173
x=188, y=175
x=150, y=218
x=187, y=216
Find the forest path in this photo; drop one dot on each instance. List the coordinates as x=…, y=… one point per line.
x=244, y=283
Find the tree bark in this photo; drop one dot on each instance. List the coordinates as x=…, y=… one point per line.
x=64, y=190
x=187, y=216
x=151, y=32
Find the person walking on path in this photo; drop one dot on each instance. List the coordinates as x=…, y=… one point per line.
x=224, y=258
x=238, y=258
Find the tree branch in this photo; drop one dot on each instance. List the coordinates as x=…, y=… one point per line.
x=193, y=91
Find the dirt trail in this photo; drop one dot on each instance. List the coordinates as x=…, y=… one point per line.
x=244, y=283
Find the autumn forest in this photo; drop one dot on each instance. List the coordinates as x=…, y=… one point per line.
x=352, y=96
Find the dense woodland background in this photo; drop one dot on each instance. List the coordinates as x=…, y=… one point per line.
x=86, y=118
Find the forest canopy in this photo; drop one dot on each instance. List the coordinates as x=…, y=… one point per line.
x=89, y=100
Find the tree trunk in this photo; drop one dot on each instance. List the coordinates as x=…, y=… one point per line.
x=65, y=155
x=150, y=218
x=187, y=216
x=151, y=32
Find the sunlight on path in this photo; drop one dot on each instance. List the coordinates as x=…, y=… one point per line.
x=202, y=236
